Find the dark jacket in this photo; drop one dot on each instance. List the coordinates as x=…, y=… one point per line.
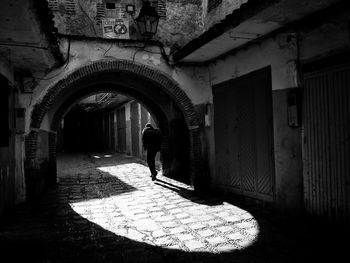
x=151, y=138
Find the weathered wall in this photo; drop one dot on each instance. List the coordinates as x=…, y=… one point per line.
x=83, y=54
x=193, y=81
x=288, y=156
x=12, y=184
x=281, y=54
x=181, y=23
x=284, y=55
x=220, y=9
x=37, y=177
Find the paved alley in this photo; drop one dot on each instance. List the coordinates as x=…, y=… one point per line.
x=106, y=209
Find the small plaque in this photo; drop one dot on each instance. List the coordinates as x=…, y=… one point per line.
x=115, y=28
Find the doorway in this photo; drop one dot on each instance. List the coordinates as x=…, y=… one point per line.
x=326, y=144
x=244, y=161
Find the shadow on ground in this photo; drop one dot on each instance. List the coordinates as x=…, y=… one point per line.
x=51, y=231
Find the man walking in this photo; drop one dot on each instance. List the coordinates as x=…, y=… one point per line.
x=151, y=141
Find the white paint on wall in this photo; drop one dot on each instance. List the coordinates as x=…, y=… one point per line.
x=274, y=52
x=193, y=81
x=45, y=124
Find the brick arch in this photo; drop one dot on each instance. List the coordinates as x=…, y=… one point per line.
x=157, y=114
x=166, y=83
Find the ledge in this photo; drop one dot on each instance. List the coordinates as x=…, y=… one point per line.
x=246, y=10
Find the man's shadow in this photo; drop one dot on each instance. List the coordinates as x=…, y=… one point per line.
x=189, y=194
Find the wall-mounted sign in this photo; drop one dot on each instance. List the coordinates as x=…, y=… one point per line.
x=115, y=28
x=130, y=9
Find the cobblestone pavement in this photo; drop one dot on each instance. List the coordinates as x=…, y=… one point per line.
x=106, y=209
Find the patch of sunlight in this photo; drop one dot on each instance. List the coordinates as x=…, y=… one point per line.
x=96, y=156
x=160, y=217
x=125, y=170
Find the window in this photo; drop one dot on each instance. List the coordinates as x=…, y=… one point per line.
x=100, y=13
x=53, y=5
x=70, y=7
x=212, y=4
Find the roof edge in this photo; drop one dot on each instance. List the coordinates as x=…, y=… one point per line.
x=246, y=10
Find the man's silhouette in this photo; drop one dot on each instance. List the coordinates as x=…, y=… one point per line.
x=151, y=141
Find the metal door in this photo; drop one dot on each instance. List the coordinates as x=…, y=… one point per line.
x=326, y=147
x=243, y=135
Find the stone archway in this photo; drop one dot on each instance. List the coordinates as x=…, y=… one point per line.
x=159, y=79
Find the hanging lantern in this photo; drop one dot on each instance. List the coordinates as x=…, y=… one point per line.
x=147, y=21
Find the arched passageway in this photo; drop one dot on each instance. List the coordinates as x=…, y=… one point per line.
x=161, y=95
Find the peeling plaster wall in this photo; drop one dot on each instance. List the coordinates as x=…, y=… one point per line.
x=183, y=20
x=183, y=23
x=277, y=52
x=194, y=81
x=223, y=8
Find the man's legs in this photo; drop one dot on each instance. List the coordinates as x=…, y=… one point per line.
x=151, y=154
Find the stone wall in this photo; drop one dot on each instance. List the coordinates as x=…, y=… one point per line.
x=180, y=22
x=216, y=10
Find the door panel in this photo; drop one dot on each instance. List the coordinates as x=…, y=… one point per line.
x=224, y=148
x=121, y=126
x=243, y=135
x=264, y=137
x=326, y=147
x=247, y=130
